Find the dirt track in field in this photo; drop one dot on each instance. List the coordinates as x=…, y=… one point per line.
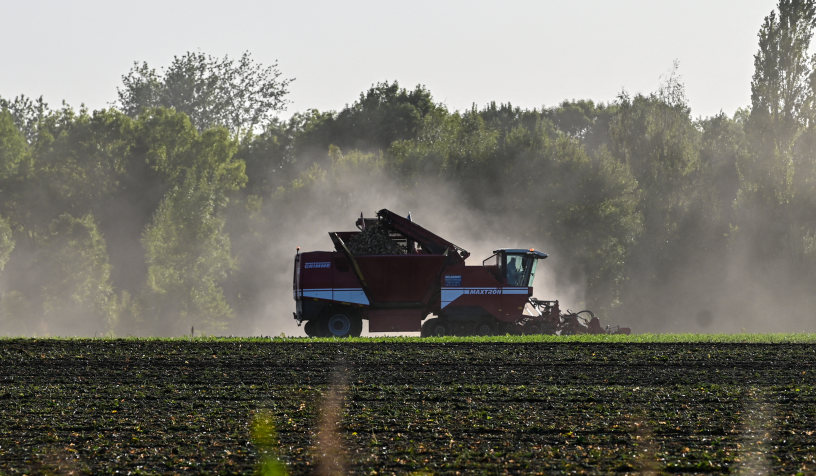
x=172, y=407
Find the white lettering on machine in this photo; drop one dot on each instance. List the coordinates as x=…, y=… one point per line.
x=324, y=264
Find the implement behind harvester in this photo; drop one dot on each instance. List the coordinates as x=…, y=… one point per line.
x=336, y=290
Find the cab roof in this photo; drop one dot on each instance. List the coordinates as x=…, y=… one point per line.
x=522, y=251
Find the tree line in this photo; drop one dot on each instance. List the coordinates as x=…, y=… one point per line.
x=157, y=214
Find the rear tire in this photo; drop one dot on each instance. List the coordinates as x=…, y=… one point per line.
x=435, y=327
x=340, y=323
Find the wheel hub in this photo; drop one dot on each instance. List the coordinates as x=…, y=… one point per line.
x=339, y=325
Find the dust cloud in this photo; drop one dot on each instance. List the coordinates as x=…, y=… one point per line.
x=433, y=204
x=729, y=294
x=711, y=292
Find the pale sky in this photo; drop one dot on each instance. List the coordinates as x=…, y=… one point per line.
x=530, y=53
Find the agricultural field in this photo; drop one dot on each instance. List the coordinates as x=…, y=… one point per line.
x=585, y=405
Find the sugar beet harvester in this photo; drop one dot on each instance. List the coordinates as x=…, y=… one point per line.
x=425, y=274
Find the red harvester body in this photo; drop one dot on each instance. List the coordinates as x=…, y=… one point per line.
x=336, y=290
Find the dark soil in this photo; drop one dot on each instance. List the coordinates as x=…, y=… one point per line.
x=144, y=407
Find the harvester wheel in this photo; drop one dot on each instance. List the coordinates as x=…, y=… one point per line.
x=425, y=330
x=340, y=324
x=311, y=328
x=484, y=328
x=435, y=327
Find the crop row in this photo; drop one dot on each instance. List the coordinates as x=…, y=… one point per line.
x=153, y=406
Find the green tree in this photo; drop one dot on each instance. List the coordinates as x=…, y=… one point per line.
x=655, y=136
x=15, y=164
x=777, y=198
x=782, y=94
x=13, y=147
x=27, y=113
x=172, y=147
x=118, y=170
x=383, y=114
x=74, y=275
x=715, y=184
x=539, y=183
x=458, y=147
x=188, y=252
x=506, y=117
x=584, y=120
x=188, y=258
x=239, y=95
x=6, y=242
x=79, y=160
x=585, y=205
x=270, y=158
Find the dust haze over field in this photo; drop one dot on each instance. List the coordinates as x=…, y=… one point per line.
x=711, y=293
x=434, y=204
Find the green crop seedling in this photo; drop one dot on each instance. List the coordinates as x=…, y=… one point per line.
x=654, y=403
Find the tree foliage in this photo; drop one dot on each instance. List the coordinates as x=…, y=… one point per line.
x=239, y=95
x=188, y=257
x=27, y=113
x=383, y=114
x=74, y=275
x=782, y=100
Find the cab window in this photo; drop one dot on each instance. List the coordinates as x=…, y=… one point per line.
x=520, y=270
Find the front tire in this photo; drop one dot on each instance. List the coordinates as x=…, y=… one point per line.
x=310, y=328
